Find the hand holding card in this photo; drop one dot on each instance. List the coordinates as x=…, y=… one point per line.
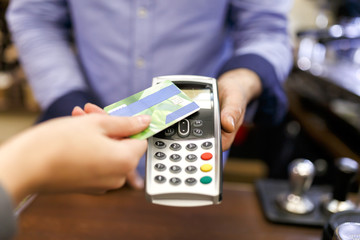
x=164, y=102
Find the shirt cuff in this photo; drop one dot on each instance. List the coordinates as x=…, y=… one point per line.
x=64, y=105
x=8, y=226
x=272, y=103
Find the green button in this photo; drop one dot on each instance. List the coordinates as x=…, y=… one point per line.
x=206, y=180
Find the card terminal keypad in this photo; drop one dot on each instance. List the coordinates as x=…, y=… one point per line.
x=186, y=163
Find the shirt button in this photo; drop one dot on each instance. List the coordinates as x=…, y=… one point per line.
x=142, y=12
x=140, y=62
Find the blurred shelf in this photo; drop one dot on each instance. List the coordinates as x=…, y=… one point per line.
x=244, y=170
x=12, y=123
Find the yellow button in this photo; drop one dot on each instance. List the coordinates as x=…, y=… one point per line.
x=206, y=168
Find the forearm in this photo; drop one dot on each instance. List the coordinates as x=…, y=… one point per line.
x=40, y=30
x=260, y=28
x=89, y=153
x=262, y=45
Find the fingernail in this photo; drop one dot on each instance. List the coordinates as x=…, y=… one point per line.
x=139, y=182
x=231, y=120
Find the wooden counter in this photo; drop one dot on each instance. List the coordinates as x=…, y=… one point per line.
x=125, y=214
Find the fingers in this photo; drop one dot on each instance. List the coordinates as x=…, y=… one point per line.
x=231, y=114
x=88, y=108
x=227, y=139
x=232, y=108
x=124, y=126
x=121, y=127
x=126, y=153
x=232, y=117
x=135, y=180
x=77, y=111
x=132, y=149
x=236, y=89
x=92, y=108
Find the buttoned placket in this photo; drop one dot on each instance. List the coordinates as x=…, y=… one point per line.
x=142, y=33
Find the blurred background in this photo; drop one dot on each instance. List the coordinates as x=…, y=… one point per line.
x=18, y=108
x=323, y=122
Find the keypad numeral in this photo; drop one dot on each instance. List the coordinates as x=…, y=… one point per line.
x=191, y=147
x=175, y=157
x=175, y=146
x=175, y=181
x=160, y=179
x=160, y=144
x=191, y=158
x=160, y=155
x=190, y=181
x=175, y=169
x=160, y=167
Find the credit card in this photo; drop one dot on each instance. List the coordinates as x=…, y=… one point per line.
x=164, y=102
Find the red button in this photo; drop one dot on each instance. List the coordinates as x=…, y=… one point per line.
x=206, y=156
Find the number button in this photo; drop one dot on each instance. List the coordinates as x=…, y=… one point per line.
x=160, y=144
x=206, y=145
x=160, y=155
x=191, y=147
x=198, y=123
x=175, y=181
x=160, y=167
x=198, y=132
x=191, y=158
x=169, y=132
x=190, y=169
x=175, y=169
x=175, y=157
x=175, y=147
x=160, y=179
x=190, y=181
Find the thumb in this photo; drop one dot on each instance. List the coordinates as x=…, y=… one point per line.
x=118, y=127
x=231, y=112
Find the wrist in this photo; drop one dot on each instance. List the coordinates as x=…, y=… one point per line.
x=19, y=173
x=64, y=105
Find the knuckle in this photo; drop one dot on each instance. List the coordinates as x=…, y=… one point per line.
x=129, y=164
x=119, y=183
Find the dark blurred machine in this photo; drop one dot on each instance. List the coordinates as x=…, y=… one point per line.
x=326, y=80
x=322, y=131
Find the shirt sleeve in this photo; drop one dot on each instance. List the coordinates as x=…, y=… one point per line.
x=262, y=44
x=7, y=218
x=41, y=32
